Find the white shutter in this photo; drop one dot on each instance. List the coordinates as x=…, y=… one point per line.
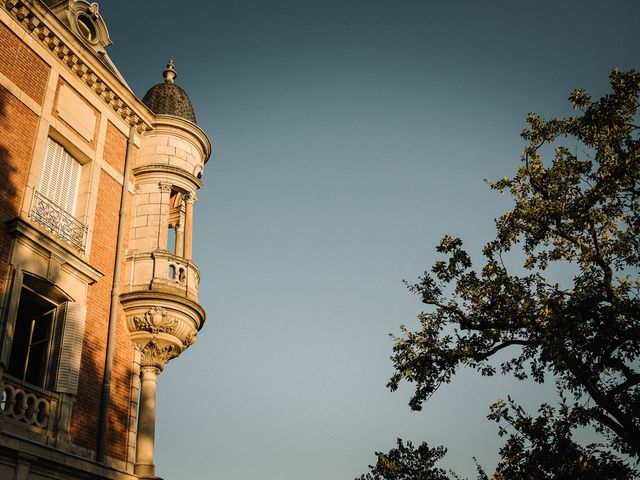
x=60, y=176
x=67, y=346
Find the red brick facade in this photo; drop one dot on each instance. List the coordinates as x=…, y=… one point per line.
x=18, y=127
x=86, y=411
x=66, y=118
x=22, y=66
x=29, y=74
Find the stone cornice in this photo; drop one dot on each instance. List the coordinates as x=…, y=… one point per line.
x=45, y=28
x=164, y=168
x=143, y=297
x=41, y=241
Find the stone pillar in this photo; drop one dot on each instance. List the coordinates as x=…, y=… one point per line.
x=144, y=466
x=180, y=238
x=163, y=227
x=188, y=237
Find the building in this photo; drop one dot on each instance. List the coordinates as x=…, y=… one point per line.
x=97, y=287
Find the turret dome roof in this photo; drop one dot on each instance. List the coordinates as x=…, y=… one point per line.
x=167, y=98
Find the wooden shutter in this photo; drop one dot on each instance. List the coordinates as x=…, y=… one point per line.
x=11, y=313
x=60, y=176
x=67, y=346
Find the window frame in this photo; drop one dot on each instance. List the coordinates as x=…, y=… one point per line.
x=61, y=369
x=59, y=195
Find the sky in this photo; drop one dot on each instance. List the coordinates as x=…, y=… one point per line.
x=349, y=136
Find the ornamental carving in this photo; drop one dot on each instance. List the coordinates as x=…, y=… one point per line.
x=191, y=198
x=23, y=13
x=155, y=320
x=157, y=356
x=149, y=373
x=188, y=341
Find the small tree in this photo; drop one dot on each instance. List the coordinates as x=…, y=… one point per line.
x=579, y=211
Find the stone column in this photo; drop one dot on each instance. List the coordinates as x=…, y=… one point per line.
x=180, y=238
x=188, y=237
x=163, y=227
x=144, y=466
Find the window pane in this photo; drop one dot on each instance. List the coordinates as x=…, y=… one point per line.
x=30, y=345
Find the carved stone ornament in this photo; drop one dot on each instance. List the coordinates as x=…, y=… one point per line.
x=191, y=198
x=188, y=341
x=24, y=13
x=157, y=356
x=155, y=320
x=149, y=373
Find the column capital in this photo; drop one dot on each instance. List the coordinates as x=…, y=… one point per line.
x=156, y=356
x=149, y=373
x=165, y=187
x=191, y=198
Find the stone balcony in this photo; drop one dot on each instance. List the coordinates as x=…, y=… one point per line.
x=161, y=271
x=160, y=301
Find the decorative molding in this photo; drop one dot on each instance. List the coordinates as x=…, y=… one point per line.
x=23, y=13
x=157, y=356
x=81, y=12
x=188, y=341
x=161, y=169
x=149, y=373
x=139, y=298
x=176, y=126
x=39, y=241
x=155, y=320
x=165, y=187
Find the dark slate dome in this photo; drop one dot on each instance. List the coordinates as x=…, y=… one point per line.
x=167, y=98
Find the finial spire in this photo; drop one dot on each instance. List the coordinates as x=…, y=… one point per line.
x=169, y=74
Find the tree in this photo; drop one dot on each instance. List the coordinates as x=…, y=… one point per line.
x=578, y=212
x=408, y=462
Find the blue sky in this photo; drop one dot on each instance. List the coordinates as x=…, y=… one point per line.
x=348, y=138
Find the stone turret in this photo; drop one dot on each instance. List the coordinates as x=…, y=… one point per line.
x=160, y=298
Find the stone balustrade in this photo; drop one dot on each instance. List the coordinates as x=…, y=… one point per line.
x=161, y=271
x=27, y=404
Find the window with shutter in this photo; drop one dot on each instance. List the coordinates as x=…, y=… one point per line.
x=60, y=176
x=54, y=201
x=47, y=342
x=67, y=347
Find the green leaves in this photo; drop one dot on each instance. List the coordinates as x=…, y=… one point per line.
x=542, y=446
x=576, y=207
x=407, y=462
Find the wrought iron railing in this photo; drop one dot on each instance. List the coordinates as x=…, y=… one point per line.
x=58, y=221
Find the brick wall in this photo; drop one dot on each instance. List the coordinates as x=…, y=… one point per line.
x=115, y=147
x=22, y=66
x=85, y=415
x=18, y=128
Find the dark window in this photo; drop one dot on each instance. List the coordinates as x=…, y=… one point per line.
x=87, y=28
x=30, y=349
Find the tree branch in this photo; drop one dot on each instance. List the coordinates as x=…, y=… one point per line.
x=497, y=348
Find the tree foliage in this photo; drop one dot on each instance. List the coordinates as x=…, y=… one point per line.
x=408, y=463
x=576, y=212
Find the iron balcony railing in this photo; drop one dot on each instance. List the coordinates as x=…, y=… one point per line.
x=58, y=221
